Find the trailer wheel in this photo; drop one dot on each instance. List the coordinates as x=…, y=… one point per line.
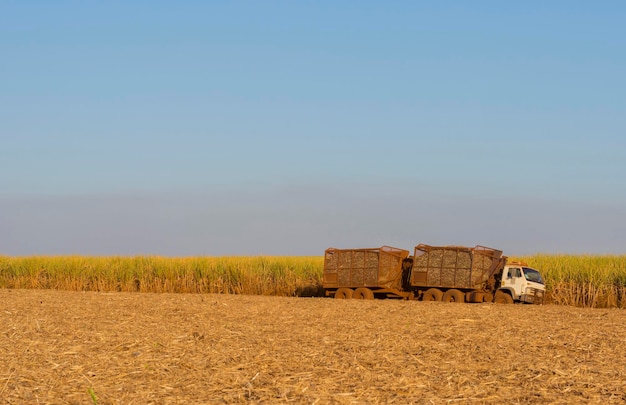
x=432, y=294
x=343, y=293
x=502, y=298
x=453, y=296
x=363, y=294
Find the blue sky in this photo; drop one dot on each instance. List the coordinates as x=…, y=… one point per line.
x=283, y=128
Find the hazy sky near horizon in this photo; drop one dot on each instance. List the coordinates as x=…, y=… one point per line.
x=284, y=128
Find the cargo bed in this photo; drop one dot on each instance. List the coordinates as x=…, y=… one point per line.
x=377, y=270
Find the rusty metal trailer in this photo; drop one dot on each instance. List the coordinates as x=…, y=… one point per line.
x=457, y=273
x=366, y=273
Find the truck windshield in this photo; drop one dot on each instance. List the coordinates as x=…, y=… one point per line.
x=533, y=275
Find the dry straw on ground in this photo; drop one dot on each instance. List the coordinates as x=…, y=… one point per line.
x=59, y=347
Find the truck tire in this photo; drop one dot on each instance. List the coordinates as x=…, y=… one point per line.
x=502, y=298
x=343, y=293
x=453, y=296
x=432, y=294
x=363, y=294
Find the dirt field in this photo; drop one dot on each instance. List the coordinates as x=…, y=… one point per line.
x=129, y=348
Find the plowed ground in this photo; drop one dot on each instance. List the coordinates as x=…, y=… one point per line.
x=61, y=347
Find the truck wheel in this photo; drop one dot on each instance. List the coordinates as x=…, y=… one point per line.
x=363, y=294
x=343, y=293
x=432, y=294
x=502, y=298
x=453, y=296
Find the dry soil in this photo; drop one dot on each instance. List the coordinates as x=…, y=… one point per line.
x=60, y=347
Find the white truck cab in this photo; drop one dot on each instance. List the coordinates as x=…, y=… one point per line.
x=523, y=283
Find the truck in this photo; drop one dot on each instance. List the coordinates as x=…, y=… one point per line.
x=432, y=273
